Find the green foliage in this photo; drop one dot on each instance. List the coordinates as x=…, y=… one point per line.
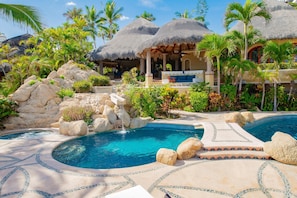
x=52, y=82
x=168, y=95
x=229, y=98
x=199, y=101
x=59, y=45
x=130, y=77
x=7, y=108
x=198, y=87
x=65, y=92
x=99, y=80
x=250, y=100
x=75, y=113
x=82, y=86
x=145, y=100
x=32, y=82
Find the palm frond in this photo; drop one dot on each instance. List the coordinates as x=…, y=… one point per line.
x=22, y=14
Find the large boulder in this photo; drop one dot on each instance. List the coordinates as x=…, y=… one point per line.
x=123, y=116
x=188, y=148
x=235, y=117
x=249, y=116
x=109, y=114
x=282, y=148
x=166, y=156
x=75, y=128
x=102, y=124
x=139, y=122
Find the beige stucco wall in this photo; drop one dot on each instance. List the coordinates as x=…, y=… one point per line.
x=196, y=63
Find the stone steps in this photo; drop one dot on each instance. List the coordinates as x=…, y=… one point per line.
x=237, y=153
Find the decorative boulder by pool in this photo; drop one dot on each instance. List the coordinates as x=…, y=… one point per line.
x=166, y=156
x=75, y=128
x=235, y=117
x=188, y=148
x=249, y=116
x=282, y=148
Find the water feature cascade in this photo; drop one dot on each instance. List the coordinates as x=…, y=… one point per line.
x=120, y=102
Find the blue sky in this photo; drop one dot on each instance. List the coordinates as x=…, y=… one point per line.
x=51, y=11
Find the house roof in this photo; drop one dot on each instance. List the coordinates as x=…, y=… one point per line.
x=176, y=35
x=125, y=43
x=283, y=23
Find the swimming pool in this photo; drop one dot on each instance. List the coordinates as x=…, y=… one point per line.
x=264, y=129
x=118, y=149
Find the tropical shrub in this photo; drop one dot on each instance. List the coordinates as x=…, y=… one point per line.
x=65, y=92
x=82, y=86
x=145, y=100
x=199, y=101
x=99, y=80
x=229, y=99
x=75, y=113
x=249, y=99
x=214, y=101
x=168, y=95
x=7, y=108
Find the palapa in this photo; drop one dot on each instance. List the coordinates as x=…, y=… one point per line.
x=179, y=33
x=283, y=23
x=125, y=43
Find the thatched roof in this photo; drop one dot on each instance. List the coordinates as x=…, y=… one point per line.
x=126, y=42
x=177, y=32
x=283, y=24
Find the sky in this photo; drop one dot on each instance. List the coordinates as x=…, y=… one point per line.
x=51, y=12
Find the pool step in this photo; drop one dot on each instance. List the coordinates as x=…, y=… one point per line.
x=232, y=154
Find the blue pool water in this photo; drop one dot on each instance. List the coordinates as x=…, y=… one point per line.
x=265, y=128
x=118, y=149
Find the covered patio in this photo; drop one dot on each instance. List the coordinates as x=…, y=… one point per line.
x=175, y=44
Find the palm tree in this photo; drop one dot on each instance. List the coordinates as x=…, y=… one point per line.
x=237, y=12
x=278, y=53
x=112, y=14
x=201, y=10
x=73, y=13
x=265, y=75
x=214, y=46
x=253, y=37
x=147, y=16
x=22, y=14
x=186, y=14
x=94, y=21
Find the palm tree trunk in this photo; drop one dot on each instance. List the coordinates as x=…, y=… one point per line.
x=291, y=90
x=245, y=41
x=219, y=75
x=263, y=96
x=274, y=98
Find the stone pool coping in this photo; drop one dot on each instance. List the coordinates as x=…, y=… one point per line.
x=27, y=169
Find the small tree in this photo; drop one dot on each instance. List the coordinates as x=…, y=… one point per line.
x=278, y=53
x=214, y=46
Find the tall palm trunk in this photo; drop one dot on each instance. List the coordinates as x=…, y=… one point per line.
x=219, y=75
x=274, y=97
x=263, y=95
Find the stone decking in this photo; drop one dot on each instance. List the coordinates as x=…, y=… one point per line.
x=27, y=170
x=229, y=141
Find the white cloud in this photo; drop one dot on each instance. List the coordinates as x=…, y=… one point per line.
x=149, y=3
x=71, y=3
x=123, y=18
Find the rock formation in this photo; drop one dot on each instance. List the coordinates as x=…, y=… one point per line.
x=188, y=148
x=39, y=106
x=282, y=148
x=166, y=156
